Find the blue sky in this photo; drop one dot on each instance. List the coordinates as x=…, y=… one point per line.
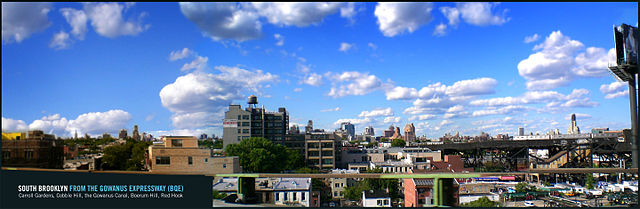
x=174, y=68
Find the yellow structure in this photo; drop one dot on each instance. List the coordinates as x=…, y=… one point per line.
x=13, y=136
x=180, y=154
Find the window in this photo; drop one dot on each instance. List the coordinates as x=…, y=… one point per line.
x=277, y=196
x=239, y=137
x=245, y=137
x=224, y=165
x=336, y=185
x=6, y=155
x=302, y=196
x=239, y=130
x=327, y=153
x=163, y=160
x=314, y=153
x=285, y=196
x=295, y=196
x=239, y=117
x=245, y=131
x=245, y=124
x=206, y=160
x=327, y=161
x=245, y=117
x=335, y=194
x=379, y=202
x=386, y=202
x=28, y=155
x=190, y=160
x=176, y=142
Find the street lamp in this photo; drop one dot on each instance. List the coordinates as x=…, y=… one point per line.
x=626, y=69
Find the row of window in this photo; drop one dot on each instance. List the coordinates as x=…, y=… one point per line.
x=166, y=160
x=27, y=155
x=243, y=131
x=285, y=196
x=258, y=117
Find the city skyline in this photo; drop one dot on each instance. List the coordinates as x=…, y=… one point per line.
x=175, y=68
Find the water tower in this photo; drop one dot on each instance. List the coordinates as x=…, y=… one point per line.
x=253, y=101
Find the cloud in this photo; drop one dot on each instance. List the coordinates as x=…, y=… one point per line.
x=372, y=46
x=60, y=41
x=93, y=123
x=297, y=90
x=344, y=47
x=395, y=18
x=579, y=116
x=441, y=30
x=392, y=119
x=107, y=20
x=377, y=113
x=553, y=99
x=354, y=121
x=11, y=125
x=96, y=123
x=349, y=11
x=204, y=96
x=180, y=54
x=452, y=14
x=78, y=21
x=614, y=90
x=557, y=62
x=445, y=122
x=477, y=86
x=422, y=117
x=200, y=63
x=20, y=20
x=300, y=14
x=313, y=79
x=480, y=14
x=506, y=110
x=280, y=39
x=223, y=20
x=532, y=38
x=401, y=93
x=331, y=110
x=357, y=83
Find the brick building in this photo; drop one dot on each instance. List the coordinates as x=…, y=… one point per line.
x=33, y=149
x=180, y=154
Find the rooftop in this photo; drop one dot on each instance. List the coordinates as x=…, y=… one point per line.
x=375, y=194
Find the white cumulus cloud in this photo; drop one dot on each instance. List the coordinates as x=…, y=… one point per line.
x=300, y=14
x=223, y=20
x=344, y=47
x=107, y=20
x=11, y=125
x=60, y=41
x=395, y=18
x=615, y=89
x=377, y=113
x=532, y=38
x=180, y=54
x=21, y=19
x=78, y=21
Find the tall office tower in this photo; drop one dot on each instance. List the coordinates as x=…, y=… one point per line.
x=348, y=128
x=520, y=131
x=389, y=132
x=368, y=131
x=409, y=132
x=573, y=128
x=309, y=127
x=135, y=133
x=241, y=124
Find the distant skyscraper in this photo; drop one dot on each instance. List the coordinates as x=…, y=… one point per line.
x=368, y=131
x=76, y=136
x=409, y=132
x=294, y=129
x=309, y=127
x=203, y=136
x=349, y=129
x=573, y=129
x=389, y=132
x=520, y=131
x=135, y=133
x=396, y=133
x=123, y=134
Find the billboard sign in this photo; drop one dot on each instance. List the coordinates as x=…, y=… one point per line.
x=230, y=123
x=626, y=39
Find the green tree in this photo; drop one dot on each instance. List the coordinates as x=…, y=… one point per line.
x=482, y=202
x=128, y=156
x=398, y=143
x=259, y=155
x=355, y=192
x=590, y=181
x=522, y=187
x=218, y=195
